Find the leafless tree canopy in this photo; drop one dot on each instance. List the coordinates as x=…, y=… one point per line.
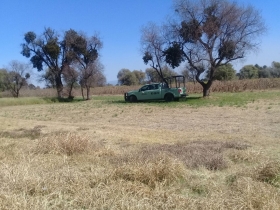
x=212, y=33
x=204, y=33
x=153, y=45
x=16, y=77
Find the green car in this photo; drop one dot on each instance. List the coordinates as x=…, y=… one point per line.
x=159, y=91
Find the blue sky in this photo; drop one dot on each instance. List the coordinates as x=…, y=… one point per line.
x=118, y=23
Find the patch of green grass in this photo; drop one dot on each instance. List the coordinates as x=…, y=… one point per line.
x=240, y=99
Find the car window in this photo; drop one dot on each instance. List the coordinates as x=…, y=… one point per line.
x=151, y=87
x=144, y=88
x=156, y=86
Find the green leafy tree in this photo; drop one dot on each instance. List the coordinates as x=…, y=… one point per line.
x=3, y=75
x=249, y=72
x=208, y=34
x=263, y=71
x=224, y=73
x=58, y=55
x=275, y=69
x=126, y=77
x=140, y=76
x=46, y=50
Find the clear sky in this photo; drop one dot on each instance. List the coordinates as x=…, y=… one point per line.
x=118, y=23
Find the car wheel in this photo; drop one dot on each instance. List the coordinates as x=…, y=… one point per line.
x=168, y=97
x=132, y=98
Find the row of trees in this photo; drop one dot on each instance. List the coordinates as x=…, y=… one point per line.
x=16, y=75
x=70, y=60
x=138, y=77
x=223, y=73
x=256, y=71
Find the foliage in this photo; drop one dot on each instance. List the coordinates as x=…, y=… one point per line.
x=224, y=73
x=3, y=75
x=46, y=50
x=59, y=56
x=83, y=51
x=263, y=72
x=249, y=72
x=127, y=77
x=140, y=76
x=275, y=70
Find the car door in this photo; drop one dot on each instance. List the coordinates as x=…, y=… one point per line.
x=143, y=93
x=154, y=92
x=151, y=92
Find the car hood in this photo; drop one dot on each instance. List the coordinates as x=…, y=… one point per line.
x=133, y=91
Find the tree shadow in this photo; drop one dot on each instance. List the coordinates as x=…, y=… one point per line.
x=62, y=100
x=182, y=100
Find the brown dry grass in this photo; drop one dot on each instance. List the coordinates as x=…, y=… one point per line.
x=98, y=155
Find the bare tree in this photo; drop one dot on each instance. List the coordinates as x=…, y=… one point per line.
x=70, y=77
x=153, y=45
x=91, y=76
x=49, y=78
x=211, y=33
x=16, y=77
x=83, y=51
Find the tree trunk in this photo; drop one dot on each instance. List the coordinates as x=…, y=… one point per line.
x=70, y=91
x=206, y=87
x=59, y=86
x=206, y=91
x=82, y=90
x=88, y=92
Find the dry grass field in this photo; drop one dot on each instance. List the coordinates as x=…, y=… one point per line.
x=107, y=154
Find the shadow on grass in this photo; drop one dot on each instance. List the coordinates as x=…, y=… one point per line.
x=62, y=100
x=182, y=100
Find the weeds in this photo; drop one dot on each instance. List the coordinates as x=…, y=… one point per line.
x=270, y=173
x=151, y=172
x=208, y=154
x=67, y=144
x=33, y=133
